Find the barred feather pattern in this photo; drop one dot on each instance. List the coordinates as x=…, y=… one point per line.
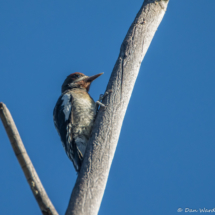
x=74, y=116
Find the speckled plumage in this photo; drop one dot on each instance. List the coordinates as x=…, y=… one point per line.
x=74, y=115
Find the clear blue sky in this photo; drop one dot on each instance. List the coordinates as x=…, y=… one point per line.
x=165, y=155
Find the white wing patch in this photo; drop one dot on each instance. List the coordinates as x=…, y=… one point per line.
x=66, y=105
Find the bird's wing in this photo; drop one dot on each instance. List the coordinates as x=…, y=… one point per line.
x=62, y=115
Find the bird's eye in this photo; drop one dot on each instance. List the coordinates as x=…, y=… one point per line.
x=76, y=76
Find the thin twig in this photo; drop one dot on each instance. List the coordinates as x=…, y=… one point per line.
x=34, y=182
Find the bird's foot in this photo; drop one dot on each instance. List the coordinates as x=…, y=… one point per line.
x=100, y=104
x=101, y=97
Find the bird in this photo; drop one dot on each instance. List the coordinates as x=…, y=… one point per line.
x=74, y=115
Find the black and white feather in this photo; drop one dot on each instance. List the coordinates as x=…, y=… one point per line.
x=73, y=116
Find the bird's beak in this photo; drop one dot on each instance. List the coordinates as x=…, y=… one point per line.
x=92, y=78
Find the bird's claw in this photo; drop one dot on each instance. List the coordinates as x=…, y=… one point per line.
x=101, y=97
x=101, y=104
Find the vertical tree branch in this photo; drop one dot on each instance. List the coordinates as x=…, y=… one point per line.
x=33, y=180
x=87, y=194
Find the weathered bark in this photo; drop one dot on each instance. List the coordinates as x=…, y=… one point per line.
x=34, y=182
x=90, y=185
x=87, y=194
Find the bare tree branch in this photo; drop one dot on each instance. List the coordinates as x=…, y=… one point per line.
x=34, y=182
x=87, y=194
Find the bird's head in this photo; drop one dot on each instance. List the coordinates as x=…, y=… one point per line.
x=78, y=80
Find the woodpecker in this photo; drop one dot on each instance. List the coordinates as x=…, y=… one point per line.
x=74, y=115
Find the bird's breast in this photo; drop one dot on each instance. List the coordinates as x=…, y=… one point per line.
x=83, y=113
